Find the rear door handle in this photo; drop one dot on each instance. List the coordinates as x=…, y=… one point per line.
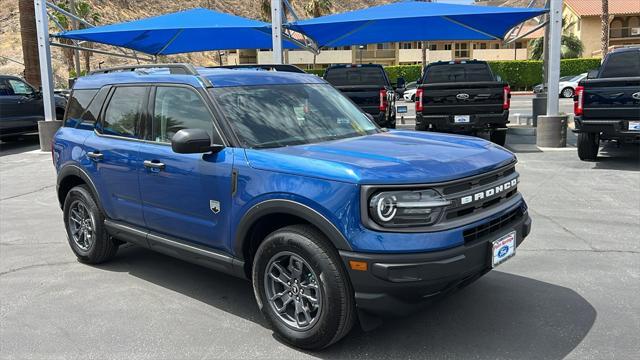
x=154, y=165
x=95, y=156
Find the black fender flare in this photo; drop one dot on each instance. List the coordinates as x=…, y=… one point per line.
x=75, y=170
x=290, y=207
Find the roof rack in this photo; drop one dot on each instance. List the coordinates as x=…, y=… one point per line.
x=183, y=69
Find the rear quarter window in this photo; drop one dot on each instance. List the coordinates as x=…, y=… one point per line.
x=623, y=64
x=356, y=76
x=83, y=108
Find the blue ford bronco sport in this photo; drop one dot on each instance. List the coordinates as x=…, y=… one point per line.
x=278, y=178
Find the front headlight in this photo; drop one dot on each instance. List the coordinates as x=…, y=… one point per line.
x=407, y=208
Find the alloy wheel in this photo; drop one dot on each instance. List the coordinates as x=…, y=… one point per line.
x=81, y=225
x=293, y=291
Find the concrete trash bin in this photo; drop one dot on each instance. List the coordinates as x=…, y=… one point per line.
x=552, y=131
x=46, y=130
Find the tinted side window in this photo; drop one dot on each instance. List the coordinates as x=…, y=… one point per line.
x=624, y=64
x=77, y=109
x=124, y=112
x=177, y=108
x=354, y=76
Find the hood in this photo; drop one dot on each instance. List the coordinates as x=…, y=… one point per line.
x=395, y=157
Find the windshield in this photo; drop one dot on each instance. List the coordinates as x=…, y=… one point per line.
x=458, y=73
x=282, y=115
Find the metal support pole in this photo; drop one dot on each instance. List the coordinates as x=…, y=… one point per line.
x=44, y=56
x=555, y=34
x=276, y=30
x=74, y=26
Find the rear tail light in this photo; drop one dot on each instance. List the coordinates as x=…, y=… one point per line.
x=383, y=100
x=578, y=101
x=506, y=102
x=419, y=100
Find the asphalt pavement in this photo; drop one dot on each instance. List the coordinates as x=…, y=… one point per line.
x=570, y=292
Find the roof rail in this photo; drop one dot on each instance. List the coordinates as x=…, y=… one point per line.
x=180, y=68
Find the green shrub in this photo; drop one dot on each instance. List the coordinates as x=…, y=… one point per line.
x=318, y=72
x=408, y=72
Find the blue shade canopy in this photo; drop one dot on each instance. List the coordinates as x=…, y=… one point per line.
x=182, y=32
x=414, y=21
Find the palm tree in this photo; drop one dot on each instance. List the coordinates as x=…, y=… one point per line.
x=29, y=42
x=605, y=27
x=570, y=47
x=84, y=11
x=317, y=8
x=265, y=10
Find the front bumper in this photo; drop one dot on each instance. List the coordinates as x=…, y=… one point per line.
x=608, y=129
x=397, y=284
x=477, y=122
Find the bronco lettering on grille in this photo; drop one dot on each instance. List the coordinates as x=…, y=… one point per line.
x=488, y=192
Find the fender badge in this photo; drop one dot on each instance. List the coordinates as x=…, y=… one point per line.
x=214, y=206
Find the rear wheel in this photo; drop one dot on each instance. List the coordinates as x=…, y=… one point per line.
x=87, y=235
x=498, y=137
x=302, y=289
x=588, y=144
x=567, y=92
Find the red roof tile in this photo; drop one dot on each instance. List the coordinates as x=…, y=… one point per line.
x=594, y=7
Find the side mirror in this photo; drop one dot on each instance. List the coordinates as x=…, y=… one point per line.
x=592, y=74
x=193, y=141
x=498, y=78
x=401, y=83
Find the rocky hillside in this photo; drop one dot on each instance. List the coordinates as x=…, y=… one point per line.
x=111, y=11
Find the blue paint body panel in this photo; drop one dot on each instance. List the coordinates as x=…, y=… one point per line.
x=326, y=177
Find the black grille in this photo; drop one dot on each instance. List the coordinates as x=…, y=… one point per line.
x=494, y=225
x=477, y=182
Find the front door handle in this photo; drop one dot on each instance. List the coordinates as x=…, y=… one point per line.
x=154, y=165
x=95, y=155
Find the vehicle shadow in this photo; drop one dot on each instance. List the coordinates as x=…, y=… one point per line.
x=619, y=157
x=500, y=316
x=20, y=144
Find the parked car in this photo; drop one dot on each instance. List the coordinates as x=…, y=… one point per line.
x=280, y=179
x=409, y=93
x=368, y=86
x=21, y=107
x=463, y=97
x=607, y=103
x=567, y=87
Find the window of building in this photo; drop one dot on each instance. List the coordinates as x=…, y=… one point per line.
x=462, y=50
x=496, y=46
x=433, y=47
x=447, y=46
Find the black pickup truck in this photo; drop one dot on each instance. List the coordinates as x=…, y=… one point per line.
x=463, y=97
x=369, y=88
x=607, y=103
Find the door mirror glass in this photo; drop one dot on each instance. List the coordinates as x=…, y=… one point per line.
x=193, y=141
x=592, y=74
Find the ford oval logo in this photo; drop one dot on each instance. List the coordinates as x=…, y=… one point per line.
x=503, y=251
x=462, y=96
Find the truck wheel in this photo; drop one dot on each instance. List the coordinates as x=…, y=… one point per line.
x=84, y=223
x=588, y=144
x=567, y=92
x=302, y=289
x=498, y=137
x=421, y=127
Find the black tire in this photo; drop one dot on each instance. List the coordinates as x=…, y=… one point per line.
x=421, y=127
x=588, y=145
x=567, y=92
x=101, y=246
x=498, y=137
x=335, y=315
x=59, y=113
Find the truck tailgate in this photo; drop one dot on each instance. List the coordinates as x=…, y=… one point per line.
x=612, y=98
x=366, y=97
x=462, y=98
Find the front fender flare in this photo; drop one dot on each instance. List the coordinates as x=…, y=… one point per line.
x=289, y=207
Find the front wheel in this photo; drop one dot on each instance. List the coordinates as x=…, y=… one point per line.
x=588, y=145
x=302, y=289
